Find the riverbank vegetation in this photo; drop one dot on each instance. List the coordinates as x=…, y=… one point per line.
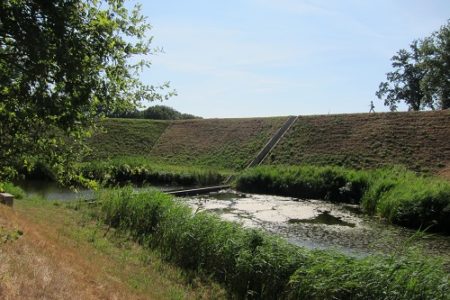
x=247, y=262
x=141, y=170
x=399, y=195
x=253, y=264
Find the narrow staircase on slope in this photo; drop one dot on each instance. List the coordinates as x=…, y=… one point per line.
x=255, y=162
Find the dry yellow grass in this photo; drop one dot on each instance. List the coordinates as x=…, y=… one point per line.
x=31, y=266
x=58, y=258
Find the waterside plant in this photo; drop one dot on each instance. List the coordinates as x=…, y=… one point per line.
x=139, y=170
x=399, y=195
x=255, y=265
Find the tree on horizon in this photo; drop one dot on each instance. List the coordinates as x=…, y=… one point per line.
x=421, y=75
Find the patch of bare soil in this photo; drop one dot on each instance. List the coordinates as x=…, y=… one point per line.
x=445, y=172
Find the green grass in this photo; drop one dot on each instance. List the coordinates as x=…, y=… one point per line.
x=136, y=269
x=193, y=152
x=234, y=155
x=396, y=194
x=7, y=187
x=140, y=170
x=255, y=265
x=125, y=137
x=417, y=140
x=215, y=143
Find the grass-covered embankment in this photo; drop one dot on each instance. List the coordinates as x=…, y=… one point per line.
x=252, y=264
x=214, y=143
x=417, y=140
x=48, y=251
x=396, y=194
x=185, y=152
x=139, y=170
x=125, y=137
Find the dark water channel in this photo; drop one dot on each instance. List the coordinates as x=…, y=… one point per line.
x=308, y=223
x=52, y=191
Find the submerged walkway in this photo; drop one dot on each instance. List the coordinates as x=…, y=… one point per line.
x=197, y=191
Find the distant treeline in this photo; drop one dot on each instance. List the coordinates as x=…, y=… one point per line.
x=157, y=112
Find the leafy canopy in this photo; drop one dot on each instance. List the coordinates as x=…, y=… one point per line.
x=63, y=65
x=156, y=112
x=421, y=76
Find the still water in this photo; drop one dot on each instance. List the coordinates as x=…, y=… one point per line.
x=52, y=191
x=318, y=224
x=304, y=222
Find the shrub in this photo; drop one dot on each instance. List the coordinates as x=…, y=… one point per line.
x=7, y=187
x=139, y=170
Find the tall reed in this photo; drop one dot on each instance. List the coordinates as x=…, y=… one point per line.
x=256, y=265
x=395, y=193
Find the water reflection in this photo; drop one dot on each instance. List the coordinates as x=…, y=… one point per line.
x=324, y=217
x=53, y=191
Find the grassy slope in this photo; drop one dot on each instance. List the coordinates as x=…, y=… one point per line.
x=418, y=140
x=126, y=137
x=63, y=255
x=219, y=143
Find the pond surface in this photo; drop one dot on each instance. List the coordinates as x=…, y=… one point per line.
x=308, y=223
x=317, y=224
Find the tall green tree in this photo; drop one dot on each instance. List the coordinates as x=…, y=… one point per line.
x=403, y=83
x=421, y=75
x=63, y=65
x=162, y=112
x=436, y=63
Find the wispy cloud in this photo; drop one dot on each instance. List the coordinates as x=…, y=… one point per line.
x=214, y=52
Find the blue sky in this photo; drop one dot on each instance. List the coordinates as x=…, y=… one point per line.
x=270, y=58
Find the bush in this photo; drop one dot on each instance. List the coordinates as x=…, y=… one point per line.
x=330, y=183
x=139, y=170
x=7, y=187
x=418, y=203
